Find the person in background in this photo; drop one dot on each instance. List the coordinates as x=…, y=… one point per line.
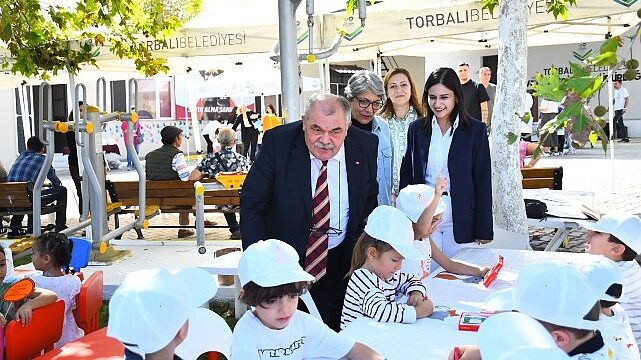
x=474, y=94
x=621, y=100
x=225, y=160
x=137, y=141
x=485, y=74
x=26, y=168
x=447, y=143
x=72, y=150
x=168, y=163
x=249, y=131
x=366, y=94
x=548, y=111
x=401, y=108
x=210, y=132
x=528, y=149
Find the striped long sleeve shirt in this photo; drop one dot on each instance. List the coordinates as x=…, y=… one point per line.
x=368, y=295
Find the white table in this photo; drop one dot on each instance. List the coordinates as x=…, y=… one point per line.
x=564, y=208
x=228, y=265
x=433, y=338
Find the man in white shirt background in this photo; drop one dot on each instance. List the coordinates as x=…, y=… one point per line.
x=621, y=98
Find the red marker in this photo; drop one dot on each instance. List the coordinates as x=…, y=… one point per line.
x=457, y=353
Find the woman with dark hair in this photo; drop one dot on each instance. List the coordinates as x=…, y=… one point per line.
x=447, y=143
x=402, y=107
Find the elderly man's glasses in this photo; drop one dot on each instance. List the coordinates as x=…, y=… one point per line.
x=364, y=104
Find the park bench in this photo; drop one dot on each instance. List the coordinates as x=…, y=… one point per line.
x=170, y=196
x=16, y=199
x=543, y=177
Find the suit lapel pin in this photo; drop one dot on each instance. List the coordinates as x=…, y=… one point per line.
x=357, y=162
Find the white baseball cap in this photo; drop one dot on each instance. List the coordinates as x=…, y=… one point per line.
x=271, y=263
x=602, y=273
x=513, y=335
x=149, y=308
x=389, y=224
x=625, y=227
x=556, y=293
x=413, y=200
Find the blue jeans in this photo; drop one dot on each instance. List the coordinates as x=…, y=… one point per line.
x=130, y=160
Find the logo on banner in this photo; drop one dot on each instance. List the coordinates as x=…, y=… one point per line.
x=582, y=53
x=626, y=3
x=350, y=29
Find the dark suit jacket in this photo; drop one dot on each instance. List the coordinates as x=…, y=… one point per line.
x=276, y=199
x=470, y=176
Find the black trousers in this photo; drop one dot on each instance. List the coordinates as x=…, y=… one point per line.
x=56, y=194
x=74, y=171
x=210, y=144
x=619, y=129
x=250, y=140
x=329, y=291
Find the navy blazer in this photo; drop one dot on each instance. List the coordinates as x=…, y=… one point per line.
x=470, y=173
x=276, y=199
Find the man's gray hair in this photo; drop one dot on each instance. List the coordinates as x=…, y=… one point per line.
x=340, y=101
x=484, y=68
x=362, y=81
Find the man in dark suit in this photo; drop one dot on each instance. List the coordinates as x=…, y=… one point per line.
x=278, y=193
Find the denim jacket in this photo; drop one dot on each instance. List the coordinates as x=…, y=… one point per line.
x=384, y=160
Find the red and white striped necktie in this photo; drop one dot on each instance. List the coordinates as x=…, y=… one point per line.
x=316, y=254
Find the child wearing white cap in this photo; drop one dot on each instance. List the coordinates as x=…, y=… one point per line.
x=617, y=236
x=151, y=311
x=511, y=336
x=562, y=299
x=424, y=207
x=272, y=281
x=607, y=279
x=376, y=279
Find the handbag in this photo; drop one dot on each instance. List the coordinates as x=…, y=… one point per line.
x=535, y=209
x=140, y=138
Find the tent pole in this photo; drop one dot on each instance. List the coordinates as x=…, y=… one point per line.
x=611, y=124
x=289, y=58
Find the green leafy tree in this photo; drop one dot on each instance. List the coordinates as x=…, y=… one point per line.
x=44, y=39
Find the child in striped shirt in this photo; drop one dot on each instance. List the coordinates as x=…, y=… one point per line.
x=617, y=236
x=377, y=284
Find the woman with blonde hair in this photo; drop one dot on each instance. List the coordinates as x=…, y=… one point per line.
x=403, y=106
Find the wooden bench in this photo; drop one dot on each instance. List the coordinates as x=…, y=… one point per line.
x=16, y=199
x=171, y=196
x=543, y=177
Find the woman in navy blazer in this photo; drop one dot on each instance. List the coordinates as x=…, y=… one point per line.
x=448, y=143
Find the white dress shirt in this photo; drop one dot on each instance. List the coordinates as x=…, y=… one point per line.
x=439, y=150
x=338, y=193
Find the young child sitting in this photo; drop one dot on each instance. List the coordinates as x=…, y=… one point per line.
x=607, y=279
x=562, y=299
x=376, y=281
x=272, y=282
x=511, y=336
x=51, y=255
x=151, y=311
x=617, y=236
x=423, y=206
x=21, y=311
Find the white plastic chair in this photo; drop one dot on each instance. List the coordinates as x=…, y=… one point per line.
x=311, y=306
x=207, y=332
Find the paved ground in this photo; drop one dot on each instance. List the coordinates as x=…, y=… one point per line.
x=587, y=170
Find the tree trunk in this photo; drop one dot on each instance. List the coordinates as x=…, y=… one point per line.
x=509, y=209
